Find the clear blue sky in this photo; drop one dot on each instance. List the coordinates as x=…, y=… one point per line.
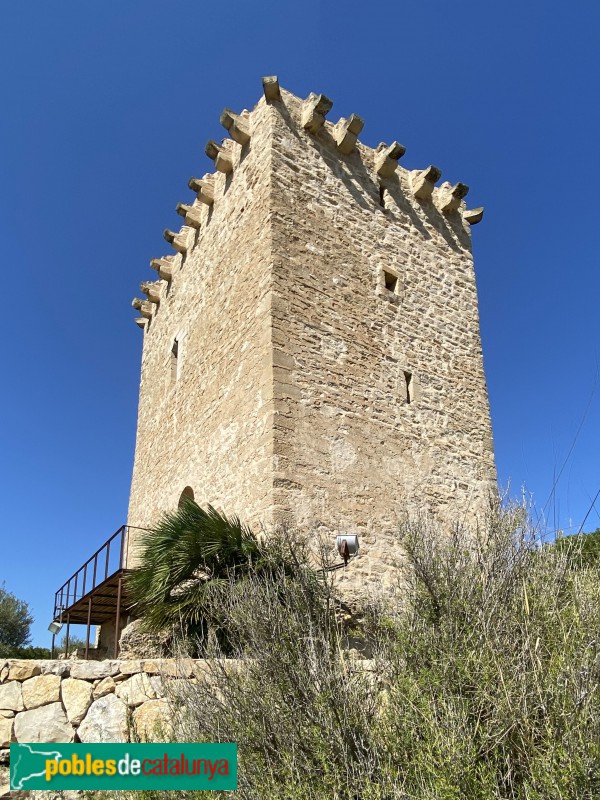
x=106, y=108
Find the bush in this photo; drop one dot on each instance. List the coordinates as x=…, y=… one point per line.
x=15, y=622
x=483, y=686
x=582, y=549
x=28, y=652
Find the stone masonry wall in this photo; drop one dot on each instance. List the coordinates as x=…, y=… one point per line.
x=330, y=371
x=86, y=701
x=350, y=452
x=209, y=426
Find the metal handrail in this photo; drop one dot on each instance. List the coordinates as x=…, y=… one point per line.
x=81, y=583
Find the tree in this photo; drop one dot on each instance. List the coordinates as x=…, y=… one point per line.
x=183, y=559
x=582, y=549
x=15, y=622
x=187, y=561
x=75, y=643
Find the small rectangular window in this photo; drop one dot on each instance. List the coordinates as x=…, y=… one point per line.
x=390, y=281
x=174, y=361
x=409, y=389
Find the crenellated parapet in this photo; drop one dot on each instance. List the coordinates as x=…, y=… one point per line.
x=419, y=186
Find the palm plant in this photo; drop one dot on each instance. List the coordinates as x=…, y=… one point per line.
x=186, y=562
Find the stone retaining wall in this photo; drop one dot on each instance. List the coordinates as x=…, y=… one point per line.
x=87, y=701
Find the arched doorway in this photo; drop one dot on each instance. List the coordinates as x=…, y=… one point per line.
x=187, y=494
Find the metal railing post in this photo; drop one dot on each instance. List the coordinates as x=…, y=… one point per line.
x=87, y=638
x=118, y=617
x=67, y=636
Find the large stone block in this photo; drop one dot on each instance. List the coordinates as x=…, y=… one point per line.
x=6, y=730
x=152, y=721
x=56, y=667
x=22, y=670
x=175, y=667
x=41, y=690
x=105, y=721
x=44, y=724
x=104, y=687
x=92, y=670
x=76, y=697
x=11, y=696
x=136, y=643
x=136, y=690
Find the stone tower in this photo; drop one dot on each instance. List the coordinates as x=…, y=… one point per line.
x=312, y=351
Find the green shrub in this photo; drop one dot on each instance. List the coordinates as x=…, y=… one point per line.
x=484, y=684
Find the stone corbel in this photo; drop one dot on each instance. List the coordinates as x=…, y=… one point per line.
x=271, y=88
x=220, y=156
x=151, y=290
x=236, y=126
x=191, y=214
x=386, y=160
x=164, y=267
x=204, y=188
x=179, y=241
x=145, y=308
x=422, y=181
x=140, y=322
x=473, y=215
x=314, y=110
x=449, y=197
x=346, y=132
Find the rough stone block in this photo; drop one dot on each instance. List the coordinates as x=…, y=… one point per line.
x=152, y=721
x=55, y=667
x=130, y=666
x=76, y=697
x=191, y=214
x=11, y=696
x=164, y=267
x=6, y=731
x=136, y=690
x=221, y=157
x=105, y=721
x=204, y=188
x=179, y=241
x=104, y=687
x=44, y=724
x=93, y=670
x=41, y=690
x=21, y=670
x=151, y=290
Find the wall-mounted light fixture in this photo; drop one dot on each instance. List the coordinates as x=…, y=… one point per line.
x=347, y=545
x=55, y=627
